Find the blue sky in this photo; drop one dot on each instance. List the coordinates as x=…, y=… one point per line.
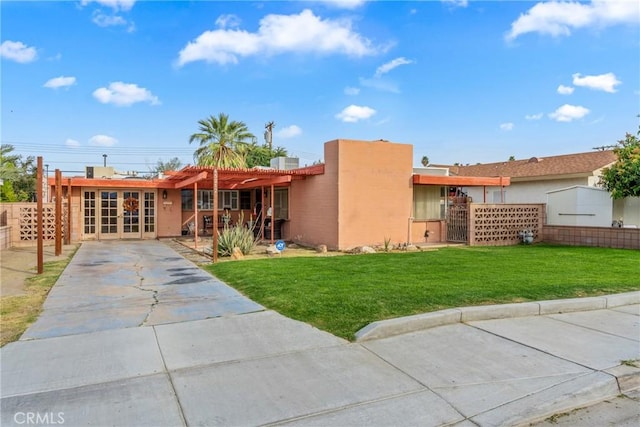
x=462, y=81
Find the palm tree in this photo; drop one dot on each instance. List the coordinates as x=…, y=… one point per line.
x=219, y=147
x=220, y=140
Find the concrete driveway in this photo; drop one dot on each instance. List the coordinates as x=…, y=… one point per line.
x=133, y=334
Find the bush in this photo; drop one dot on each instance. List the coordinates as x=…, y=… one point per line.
x=236, y=236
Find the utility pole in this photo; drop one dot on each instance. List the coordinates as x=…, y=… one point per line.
x=268, y=134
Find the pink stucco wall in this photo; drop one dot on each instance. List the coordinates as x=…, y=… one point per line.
x=169, y=214
x=364, y=196
x=375, y=192
x=313, y=205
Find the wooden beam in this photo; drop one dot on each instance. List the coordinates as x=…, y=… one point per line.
x=192, y=180
x=286, y=179
x=67, y=227
x=58, y=210
x=39, y=217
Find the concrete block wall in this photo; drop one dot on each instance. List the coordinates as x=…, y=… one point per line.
x=604, y=237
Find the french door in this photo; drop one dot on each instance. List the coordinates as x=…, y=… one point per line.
x=121, y=214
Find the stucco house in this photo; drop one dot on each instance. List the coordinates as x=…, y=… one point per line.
x=364, y=193
x=534, y=180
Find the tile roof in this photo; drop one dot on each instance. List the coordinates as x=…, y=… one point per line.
x=568, y=164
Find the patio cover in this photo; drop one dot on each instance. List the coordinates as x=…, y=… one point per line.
x=237, y=178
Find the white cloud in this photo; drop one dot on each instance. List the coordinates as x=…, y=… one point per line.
x=385, y=68
x=61, y=81
x=351, y=90
x=506, y=127
x=380, y=84
x=559, y=18
x=18, y=51
x=345, y=4
x=456, y=3
x=71, y=143
x=534, y=116
x=228, y=21
x=354, y=113
x=124, y=94
x=565, y=90
x=113, y=4
x=304, y=32
x=568, y=113
x=290, y=131
x=606, y=82
x=102, y=141
x=103, y=20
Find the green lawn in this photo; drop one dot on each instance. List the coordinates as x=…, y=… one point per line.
x=343, y=294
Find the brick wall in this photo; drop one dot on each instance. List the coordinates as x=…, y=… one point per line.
x=604, y=237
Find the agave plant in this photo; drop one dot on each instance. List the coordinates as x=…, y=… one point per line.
x=236, y=236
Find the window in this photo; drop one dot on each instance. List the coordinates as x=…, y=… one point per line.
x=89, y=212
x=428, y=202
x=149, y=212
x=205, y=199
x=281, y=203
x=227, y=199
x=187, y=200
x=245, y=200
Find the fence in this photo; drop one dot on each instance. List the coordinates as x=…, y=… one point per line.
x=501, y=224
x=22, y=223
x=604, y=237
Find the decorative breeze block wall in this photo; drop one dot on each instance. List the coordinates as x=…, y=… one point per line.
x=501, y=224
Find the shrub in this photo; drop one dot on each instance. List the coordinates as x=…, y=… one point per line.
x=236, y=236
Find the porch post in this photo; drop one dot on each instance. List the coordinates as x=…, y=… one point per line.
x=58, y=212
x=214, y=248
x=273, y=216
x=67, y=235
x=39, y=219
x=263, y=213
x=195, y=212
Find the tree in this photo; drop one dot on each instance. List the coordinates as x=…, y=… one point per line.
x=260, y=155
x=18, y=176
x=220, y=140
x=425, y=161
x=172, y=165
x=512, y=158
x=622, y=179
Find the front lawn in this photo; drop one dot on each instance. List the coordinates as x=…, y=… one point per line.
x=343, y=294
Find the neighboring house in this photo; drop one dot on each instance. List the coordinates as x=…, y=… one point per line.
x=366, y=192
x=533, y=179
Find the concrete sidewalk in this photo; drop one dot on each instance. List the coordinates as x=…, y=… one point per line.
x=214, y=357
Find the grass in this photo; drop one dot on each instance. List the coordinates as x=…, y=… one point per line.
x=20, y=311
x=343, y=294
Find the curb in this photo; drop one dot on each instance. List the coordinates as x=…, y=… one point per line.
x=403, y=325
